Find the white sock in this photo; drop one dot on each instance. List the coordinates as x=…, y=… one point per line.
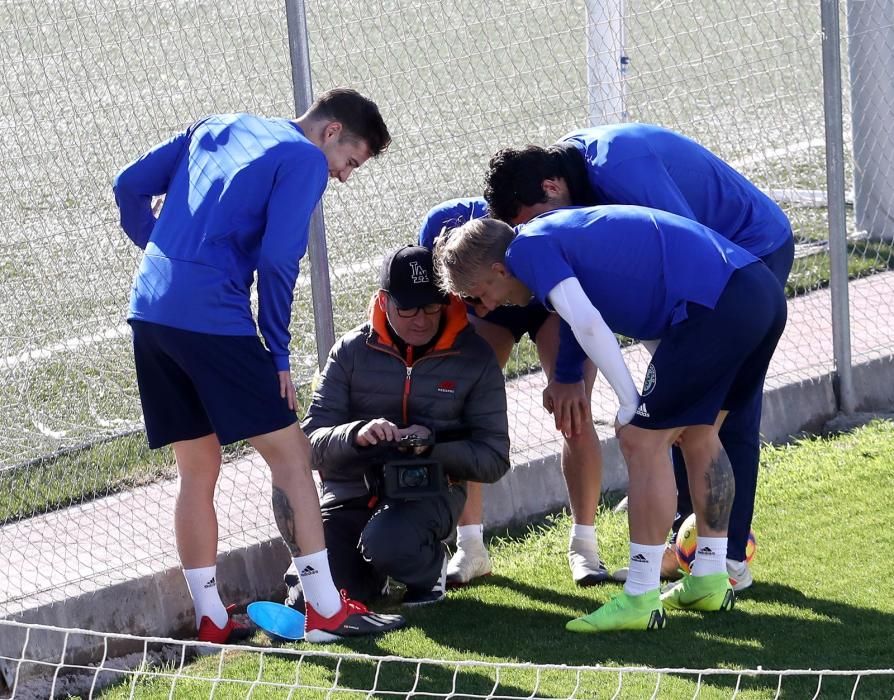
x=710, y=556
x=470, y=536
x=587, y=533
x=644, y=573
x=202, y=584
x=316, y=582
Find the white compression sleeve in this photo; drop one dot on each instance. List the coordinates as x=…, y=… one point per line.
x=597, y=340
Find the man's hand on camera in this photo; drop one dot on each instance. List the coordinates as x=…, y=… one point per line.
x=569, y=405
x=419, y=431
x=376, y=431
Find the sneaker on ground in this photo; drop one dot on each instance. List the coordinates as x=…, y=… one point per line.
x=586, y=567
x=705, y=593
x=417, y=597
x=623, y=612
x=468, y=564
x=230, y=633
x=740, y=576
x=353, y=620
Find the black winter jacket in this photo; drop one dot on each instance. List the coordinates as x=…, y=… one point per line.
x=455, y=386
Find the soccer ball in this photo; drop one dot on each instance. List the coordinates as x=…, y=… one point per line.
x=684, y=545
x=750, y=547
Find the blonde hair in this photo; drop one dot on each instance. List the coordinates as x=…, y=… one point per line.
x=461, y=254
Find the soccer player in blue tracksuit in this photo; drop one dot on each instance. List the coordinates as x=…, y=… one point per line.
x=718, y=313
x=239, y=191
x=581, y=456
x=646, y=165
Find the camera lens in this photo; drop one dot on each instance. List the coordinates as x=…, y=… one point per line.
x=413, y=477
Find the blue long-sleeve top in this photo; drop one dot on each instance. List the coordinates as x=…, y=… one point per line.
x=650, y=166
x=449, y=214
x=647, y=165
x=239, y=192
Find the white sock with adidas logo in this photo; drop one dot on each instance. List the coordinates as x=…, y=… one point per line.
x=644, y=573
x=202, y=584
x=710, y=556
x=316, y=582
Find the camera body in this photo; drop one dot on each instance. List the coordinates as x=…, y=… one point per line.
x=413, y=478
x=413, y=440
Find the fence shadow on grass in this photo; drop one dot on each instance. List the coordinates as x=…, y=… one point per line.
x=774, y=626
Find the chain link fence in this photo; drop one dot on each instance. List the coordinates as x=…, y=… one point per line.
x=86, y=86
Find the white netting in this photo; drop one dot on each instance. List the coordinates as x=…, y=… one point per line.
x=159, y=667
x=86, y=86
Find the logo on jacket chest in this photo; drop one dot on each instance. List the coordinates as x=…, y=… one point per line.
x=448, y=386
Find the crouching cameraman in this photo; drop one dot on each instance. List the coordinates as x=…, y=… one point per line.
x=408, y=407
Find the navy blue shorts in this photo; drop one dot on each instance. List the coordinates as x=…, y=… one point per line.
x=518, y=320
x=194, y=384
x=717, y=357
x=780, y=261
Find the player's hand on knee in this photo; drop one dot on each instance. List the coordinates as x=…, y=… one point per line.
x=376, y=431
x=569, y=405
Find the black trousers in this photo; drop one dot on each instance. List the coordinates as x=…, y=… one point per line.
x=397, y=538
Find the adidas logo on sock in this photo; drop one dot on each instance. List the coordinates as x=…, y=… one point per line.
x=642, y=411
x=212, y=583
x=707, y=551
x=641, y=558
x=308, y=570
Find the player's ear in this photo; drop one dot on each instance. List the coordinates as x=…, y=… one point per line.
x=500, y=269
x=332, y=131
x=553, y=186
x=381, y=300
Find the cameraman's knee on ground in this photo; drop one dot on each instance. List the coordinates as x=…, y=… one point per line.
x=399, y=545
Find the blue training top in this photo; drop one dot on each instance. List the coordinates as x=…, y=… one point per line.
x=449, y=214
x=240, y=190
x=638, y=266
x=650, y=166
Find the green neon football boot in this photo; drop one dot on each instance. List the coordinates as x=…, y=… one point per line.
x=705, y=593
x=623, y=612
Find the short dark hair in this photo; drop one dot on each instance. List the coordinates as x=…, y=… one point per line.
x=515, y=179
x=358, y=114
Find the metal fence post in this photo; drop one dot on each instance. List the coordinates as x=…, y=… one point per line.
x=320, y=286
x=606, y=62
x=870, y=31
x=838, y=283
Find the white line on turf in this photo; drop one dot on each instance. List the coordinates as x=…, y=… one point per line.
x=48, y=352
x=31, y=357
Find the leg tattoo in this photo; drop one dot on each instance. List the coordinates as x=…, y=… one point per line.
x=720, y=489
x=285, y=520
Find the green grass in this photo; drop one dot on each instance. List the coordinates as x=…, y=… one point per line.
x=824, y=599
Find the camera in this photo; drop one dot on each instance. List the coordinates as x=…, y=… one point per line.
x=413, y=478
x=413, y=440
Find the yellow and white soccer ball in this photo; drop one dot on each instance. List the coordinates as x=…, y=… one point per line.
x=684, y=545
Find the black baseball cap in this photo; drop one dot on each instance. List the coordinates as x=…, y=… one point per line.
x=408, y=275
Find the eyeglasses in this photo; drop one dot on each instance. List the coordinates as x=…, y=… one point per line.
x=428, y=309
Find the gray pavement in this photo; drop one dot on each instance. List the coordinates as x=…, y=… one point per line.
x=110, y=565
